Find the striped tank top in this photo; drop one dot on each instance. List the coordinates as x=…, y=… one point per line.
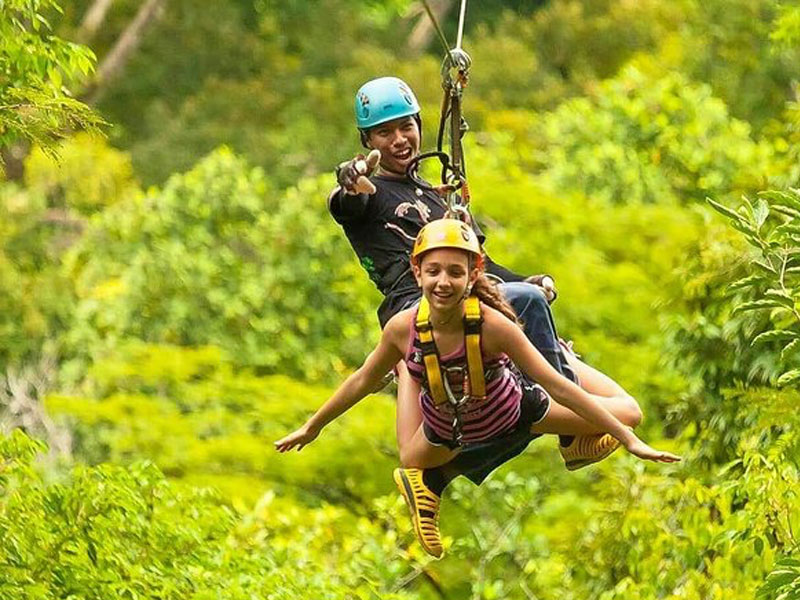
x=481, y=419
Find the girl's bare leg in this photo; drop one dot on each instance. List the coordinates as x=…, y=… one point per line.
x=415, y=449
x=419, y=453
x=409, y=415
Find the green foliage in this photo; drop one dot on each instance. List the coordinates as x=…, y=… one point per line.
x=87, y=175
x=561, y=50
x=715, y=540
x=783, y=581
x=641, y=139
x=787, y=26
x=218, y=257
x=34, y=68
x=36, y=302
x=207, y=423
x=113, y=532
x=276, y=83
x=728, y=45
x=772, y=227
x=40, y=221
x=738, y=324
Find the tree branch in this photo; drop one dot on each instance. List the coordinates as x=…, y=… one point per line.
x=127, y=43
x=93, y=19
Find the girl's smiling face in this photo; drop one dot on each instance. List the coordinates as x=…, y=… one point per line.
x=444, y=274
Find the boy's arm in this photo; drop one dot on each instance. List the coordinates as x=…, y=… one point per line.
x=500, y=271
x=349, y=198
x=355, y=387
x=345, y=207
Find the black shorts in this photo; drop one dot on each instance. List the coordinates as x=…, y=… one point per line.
x=534, y=406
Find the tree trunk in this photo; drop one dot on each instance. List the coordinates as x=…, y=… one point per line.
x=12, y=160
x=127, y=43
x=423, y=31
x=93, y=20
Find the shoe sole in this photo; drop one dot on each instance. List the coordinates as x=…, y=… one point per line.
x=579, y=463
x=402, y=483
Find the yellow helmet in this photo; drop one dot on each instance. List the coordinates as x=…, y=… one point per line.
x=447, y=233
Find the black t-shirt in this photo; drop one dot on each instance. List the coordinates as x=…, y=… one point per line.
x=382, y=228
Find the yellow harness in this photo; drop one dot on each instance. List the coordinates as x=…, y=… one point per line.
x=472, y=342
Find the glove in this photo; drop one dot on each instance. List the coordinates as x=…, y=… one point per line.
x=546, y=284
x=352, y=174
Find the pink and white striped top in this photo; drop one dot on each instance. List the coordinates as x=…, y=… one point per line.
x=480, y=419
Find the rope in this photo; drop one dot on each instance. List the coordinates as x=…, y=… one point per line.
x=438, y=29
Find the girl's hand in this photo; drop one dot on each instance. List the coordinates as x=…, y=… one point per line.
x=298, y=439
x=638, y=448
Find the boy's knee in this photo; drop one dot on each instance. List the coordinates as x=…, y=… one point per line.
x=633, y=412
x=525, y=296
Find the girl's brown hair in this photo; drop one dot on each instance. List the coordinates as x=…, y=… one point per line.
x=488, y=293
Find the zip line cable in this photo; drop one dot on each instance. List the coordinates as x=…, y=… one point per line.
x=461, y=24
x=455, y=74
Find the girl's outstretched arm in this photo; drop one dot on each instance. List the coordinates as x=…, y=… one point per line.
x=505, y=336
x=382, y=359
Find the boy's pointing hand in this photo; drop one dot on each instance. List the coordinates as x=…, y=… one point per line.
x=352, y=175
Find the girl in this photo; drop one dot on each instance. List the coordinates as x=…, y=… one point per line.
x=461, y=402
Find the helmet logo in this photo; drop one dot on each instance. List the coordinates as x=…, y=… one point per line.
x=465, y=232
x=363, y=101
x=406, y=93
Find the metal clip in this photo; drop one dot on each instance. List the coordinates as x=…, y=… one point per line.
x=456, y=404
x=458, y=60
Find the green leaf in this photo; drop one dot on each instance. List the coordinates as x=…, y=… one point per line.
x=779, y=197
x=758, y=545
x=788, y=377
x=745, y=282
x=790, y=348
x=781, y=297
x=787, y=210
x=724, y=210
x=756, y=305
x=775, y=334
x=765, y=267
x=761, y=212
x=787, y=228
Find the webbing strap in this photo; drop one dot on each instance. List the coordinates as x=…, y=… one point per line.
x=430, y=356
x=472, y=341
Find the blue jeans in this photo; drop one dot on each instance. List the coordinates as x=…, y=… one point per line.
x=533, y=310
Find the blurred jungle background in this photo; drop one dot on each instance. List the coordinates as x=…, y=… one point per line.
x=175, y=297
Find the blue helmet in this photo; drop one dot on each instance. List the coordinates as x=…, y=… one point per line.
x=384, y=99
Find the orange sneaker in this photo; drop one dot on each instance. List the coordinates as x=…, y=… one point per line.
x=424, y=507
x=585, y=450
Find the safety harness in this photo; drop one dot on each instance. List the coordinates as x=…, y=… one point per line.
x=474, y=387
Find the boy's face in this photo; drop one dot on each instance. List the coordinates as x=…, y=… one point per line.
x=398, y=140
